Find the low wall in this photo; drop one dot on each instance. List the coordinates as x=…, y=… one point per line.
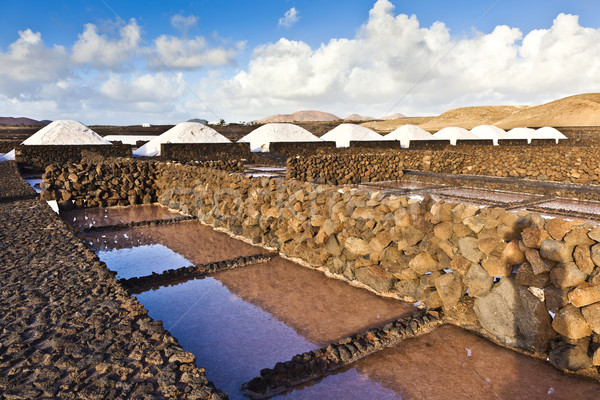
x=544, y=163
x=514, y=277
x=8, y=145
x=375, y=144
x=109, y=184
x=293, y=149
x=428, y=144
x=205, y=151
x=37, y=157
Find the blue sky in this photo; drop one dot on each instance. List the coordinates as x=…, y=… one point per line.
x=241, y=60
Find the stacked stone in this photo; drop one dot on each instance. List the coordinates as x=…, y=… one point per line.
x=110, y=184
x=577, y=164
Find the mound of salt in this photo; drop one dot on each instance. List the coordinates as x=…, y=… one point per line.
x=521, y=133
x=406, y=133
x=454, y=133
x=547, y=132
x=184, y=132
x=10, y=156
x=344, y=133
x=262, y=137
x=65, y=132
x=489, y=132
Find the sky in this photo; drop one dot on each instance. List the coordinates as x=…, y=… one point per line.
x=132, y=62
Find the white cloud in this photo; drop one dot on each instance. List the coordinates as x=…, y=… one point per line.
x=182, y=23
x=290, y=17
x=391, y=53
x=147, y=88
x=100, y=51
x=175, y=52
x=28, y=63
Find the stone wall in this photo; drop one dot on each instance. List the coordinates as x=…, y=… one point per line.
x=293, y=149
x=8, y=145
x=375, y=144
x=544, y=163
x=37, y=157
x=502, y=274
x=109, y=184
x=205, y=151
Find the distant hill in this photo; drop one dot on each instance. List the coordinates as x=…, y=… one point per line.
x=11, y=121
x=394, y=116
x=356, y=117
x=301, y=116
x=578, y=110
x=199, y=120
x=470, y=117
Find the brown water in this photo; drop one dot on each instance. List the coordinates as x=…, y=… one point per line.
x=84, y=218
x=198, y=243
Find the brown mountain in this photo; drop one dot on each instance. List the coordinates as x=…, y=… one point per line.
x=11, y=121
x=356, y=117
x=301, y=116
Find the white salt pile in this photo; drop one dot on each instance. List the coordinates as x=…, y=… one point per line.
x=184, y=132
x=454, y=133
x=521, y=133
x=406, y=133
x=10, y=156
x=344, y=133
x=547, y=132
x=65, y=132
x=262, y=137
x=489, y=132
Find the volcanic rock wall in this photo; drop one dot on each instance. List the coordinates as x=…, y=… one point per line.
x=514, y=277
x=37, y=157
x=119, y=183
x=553, y=163
x=205, y=151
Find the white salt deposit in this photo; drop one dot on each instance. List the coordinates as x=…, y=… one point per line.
x=521, y=133
x=184, y=132
x=406, y=133
x=454, y=133
x=262, y=137
x=344, y=133
x=9, y=156
x=65, y=132
x=489, y=132
x=547, y=132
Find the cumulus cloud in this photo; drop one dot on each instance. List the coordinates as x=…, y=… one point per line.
x=145, y=88
x=175, y=52
x=100, y=51
x=29, y=63
x=290, y=17
x=371, y=72
x=183, y=23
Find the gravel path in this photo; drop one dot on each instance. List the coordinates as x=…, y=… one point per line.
x=67, y=328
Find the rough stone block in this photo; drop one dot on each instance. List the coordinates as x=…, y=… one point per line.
x=570, y=323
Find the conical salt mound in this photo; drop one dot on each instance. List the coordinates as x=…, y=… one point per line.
x=454, y=133
x=65, y=132
x=262, y=137
x=489, y=132
x=522, y=133
x=344, y=133
x=547, y=132
x=406, y=133
x=184, y=132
